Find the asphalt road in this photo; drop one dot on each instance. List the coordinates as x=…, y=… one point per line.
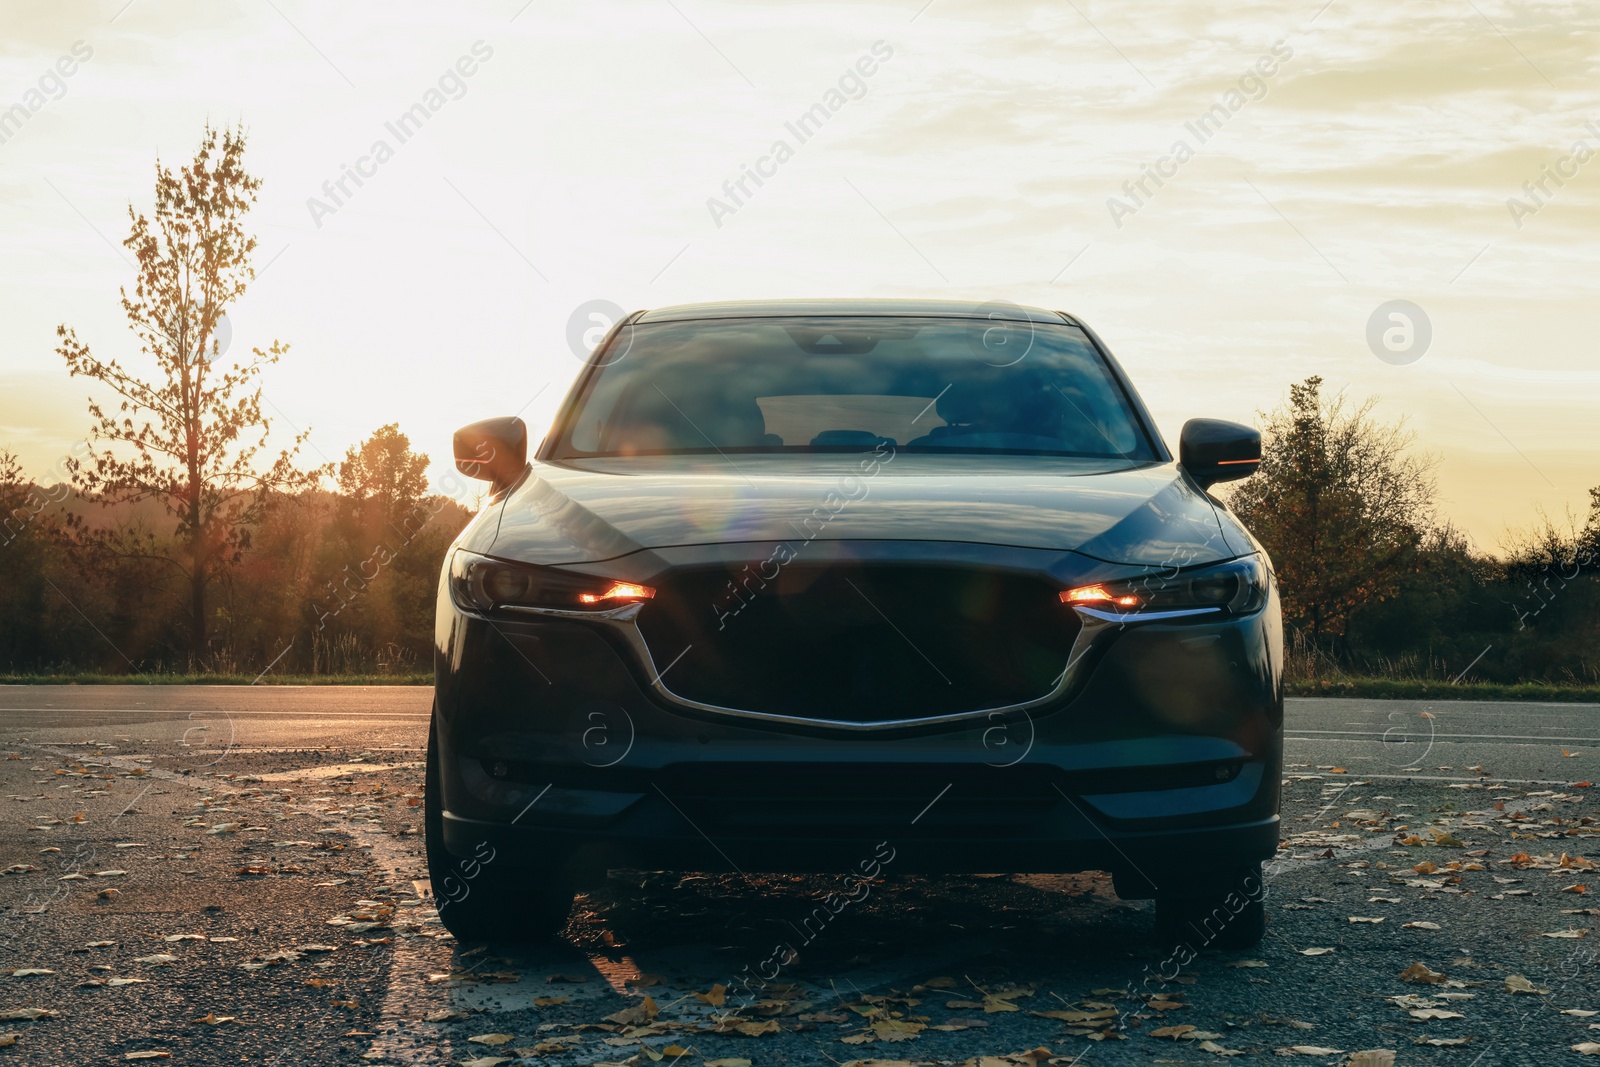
x=234, y=875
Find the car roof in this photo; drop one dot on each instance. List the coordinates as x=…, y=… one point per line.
x=959, y=309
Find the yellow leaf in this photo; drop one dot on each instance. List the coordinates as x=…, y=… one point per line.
x=895, y=1029
x=716, y=998
x=642, y=1012
x=548, y=1002
x=754, y=1029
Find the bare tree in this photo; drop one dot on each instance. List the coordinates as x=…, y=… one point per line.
x=192, y=437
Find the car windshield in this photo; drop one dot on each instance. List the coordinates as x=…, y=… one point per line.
x=824, y=384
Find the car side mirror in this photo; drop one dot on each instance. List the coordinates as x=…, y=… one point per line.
x=494, y=450
x=1213, y=451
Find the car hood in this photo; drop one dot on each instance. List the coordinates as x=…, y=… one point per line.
x=603, y=509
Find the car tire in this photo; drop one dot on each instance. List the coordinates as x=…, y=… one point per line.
x=485, y=897
x=1232, y=915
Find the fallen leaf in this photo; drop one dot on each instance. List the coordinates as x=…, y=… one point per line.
x=1587, y=1048
x=1421, y=926
x=1173, y=1032
x=716, y=998
x=1364, y=919
x=1570, y=934
x=1442, y=1042
x=640, y=1013
x=491, y=1039
x=548, y=1002
x=1372, y=1057
x=727, y=1061
x=160, y=959
x=1070, y=1016
x=1316, y=951
x=1434, y=1013
x=1422, y=974
x=1310, y=1050
x=26, y=1014
x=1516, y=983
x=1248, y=963
x=148, y=1054
x=1216, y=1049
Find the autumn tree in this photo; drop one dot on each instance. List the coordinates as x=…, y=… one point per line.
x=190, y=436
x=1341, y=503
x=382, y=476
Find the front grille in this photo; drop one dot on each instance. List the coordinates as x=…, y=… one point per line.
x=858, y=643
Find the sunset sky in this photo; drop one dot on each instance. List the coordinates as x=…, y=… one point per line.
x=1395, y=151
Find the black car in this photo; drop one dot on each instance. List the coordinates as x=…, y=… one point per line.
x=855, y=586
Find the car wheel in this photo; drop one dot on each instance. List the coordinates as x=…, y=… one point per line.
x=1233, y=914
x=485, y=896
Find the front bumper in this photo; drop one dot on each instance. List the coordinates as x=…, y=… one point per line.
x=1163, y=764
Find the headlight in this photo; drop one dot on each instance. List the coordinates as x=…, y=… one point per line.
x=1237, y=587
x=478, y=583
